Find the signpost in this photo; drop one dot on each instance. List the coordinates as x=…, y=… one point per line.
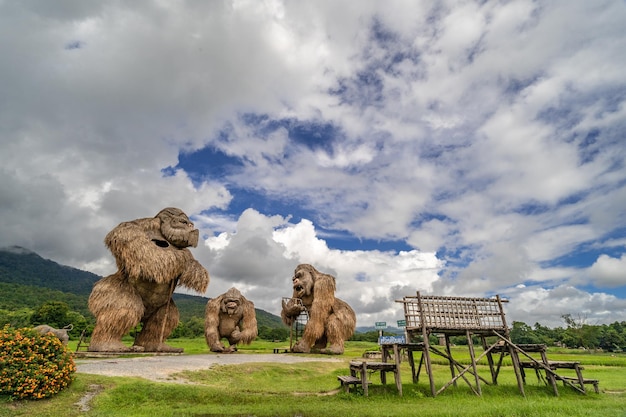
x=401, y=323
x=380, y=325
x=391, y=340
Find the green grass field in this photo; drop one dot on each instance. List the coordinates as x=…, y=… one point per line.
x=311, y=389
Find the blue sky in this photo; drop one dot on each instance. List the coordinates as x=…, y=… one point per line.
x=453, y=147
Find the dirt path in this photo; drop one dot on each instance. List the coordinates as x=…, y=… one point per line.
x=161, y=368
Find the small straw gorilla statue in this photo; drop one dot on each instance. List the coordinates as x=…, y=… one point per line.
x=229, y=316
x=152, y=259
x=331, y=320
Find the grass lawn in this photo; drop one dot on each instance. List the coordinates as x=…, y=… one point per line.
x=311, y=389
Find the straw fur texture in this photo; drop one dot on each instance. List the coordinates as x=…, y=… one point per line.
x=229, y=316
x=152, y=259
x=331, y=320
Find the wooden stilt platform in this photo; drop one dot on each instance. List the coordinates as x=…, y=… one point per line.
x=476, y=318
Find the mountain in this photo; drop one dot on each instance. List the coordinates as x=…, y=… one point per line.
x=389, y=330
x=24, y=267
x=28, y=280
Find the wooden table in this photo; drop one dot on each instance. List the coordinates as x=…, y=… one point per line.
x=543, y=366
x=396, y=349
x=363, y=367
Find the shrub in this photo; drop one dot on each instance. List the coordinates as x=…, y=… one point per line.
x=33, y=366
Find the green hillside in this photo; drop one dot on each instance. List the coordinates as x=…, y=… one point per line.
x=21, y=266
x=17, y=296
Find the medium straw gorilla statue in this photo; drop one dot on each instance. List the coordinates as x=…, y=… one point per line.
x=152, y=259
x=331, y=320
x=229, y=316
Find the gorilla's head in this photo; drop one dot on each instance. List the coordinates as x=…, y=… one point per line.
x=303, y=280
x=177, y=228
x=231, y=300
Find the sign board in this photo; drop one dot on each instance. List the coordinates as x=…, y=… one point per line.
x=390, y=340
x=381, y=325
x=401, y=323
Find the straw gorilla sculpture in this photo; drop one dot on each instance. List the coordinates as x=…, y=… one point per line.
x=152, y=259
x=229, y=316
x=331, y=320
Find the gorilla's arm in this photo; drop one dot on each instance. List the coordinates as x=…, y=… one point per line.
x=323, y=301
x=290, y=311
x=142, y=252
x=211, y=323
x=248, y=323
x=195, y=276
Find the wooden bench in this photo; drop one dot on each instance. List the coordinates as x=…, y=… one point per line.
x=575, y=380
x=347, y=380
x=364, y=367
x=281, y=350
x=552, y=365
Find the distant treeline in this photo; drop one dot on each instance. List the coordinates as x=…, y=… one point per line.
x=575, y=334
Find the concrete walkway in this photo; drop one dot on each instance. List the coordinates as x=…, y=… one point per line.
x=161, y=368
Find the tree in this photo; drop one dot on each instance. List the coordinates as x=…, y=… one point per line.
x=16, y=318
x=545, y=334
x=371, y=336
x=590, y=336
x=521, y=333
x=278, y=333
x=52, y=313
x=579, y=334
x=194, y=327
x=611, y=340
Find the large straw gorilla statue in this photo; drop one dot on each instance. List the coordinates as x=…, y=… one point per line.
x=152, y=259
x=331, y=320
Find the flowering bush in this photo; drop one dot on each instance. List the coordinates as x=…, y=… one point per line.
x=33, y=366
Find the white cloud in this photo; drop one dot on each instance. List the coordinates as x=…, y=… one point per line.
x=260, y=256
x=547, y=306
x=608, y=272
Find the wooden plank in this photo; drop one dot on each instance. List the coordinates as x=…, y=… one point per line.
x=347, y=380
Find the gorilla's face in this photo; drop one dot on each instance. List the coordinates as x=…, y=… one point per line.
x=230, y=305
x=231, y=301
x=177, y=228
x=303, y=282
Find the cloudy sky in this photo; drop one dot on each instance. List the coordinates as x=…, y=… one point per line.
x=463, y=148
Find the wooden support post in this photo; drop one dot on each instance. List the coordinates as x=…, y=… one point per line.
x=517, y=368
x=449, y=352
x=549, y=375
x=581, y=380
x=396, y=374
x=364, y=378
x=470, y=345
x=425, y=335
x=416, y=377
x=409, y=353
x=512, y=349
x=494, y=375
